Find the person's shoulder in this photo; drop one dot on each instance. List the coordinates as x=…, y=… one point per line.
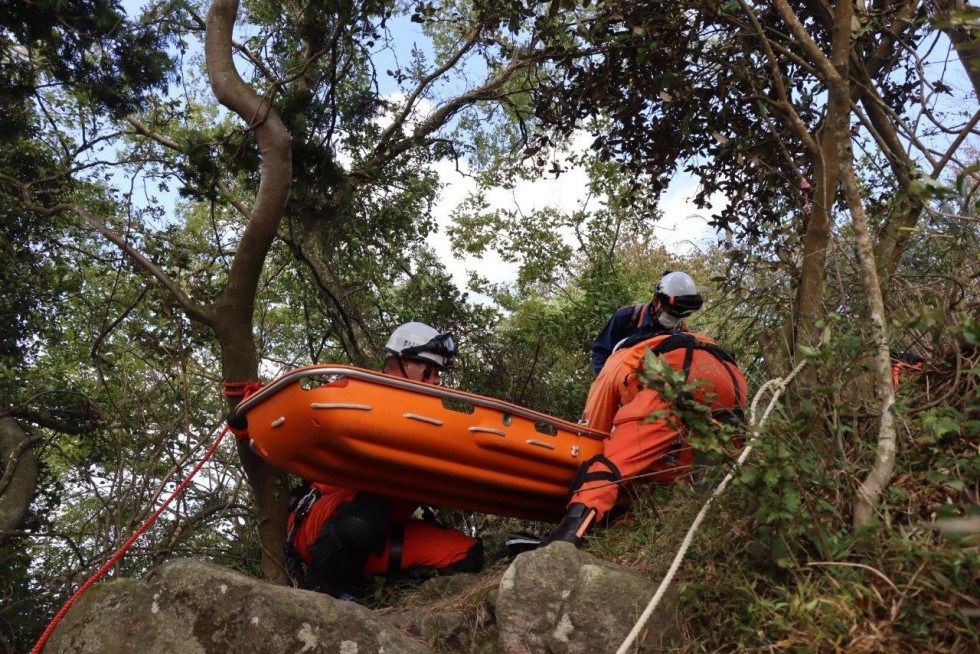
x=628, y=309
x=330, y=489
x=619, y=314
x=627, y=354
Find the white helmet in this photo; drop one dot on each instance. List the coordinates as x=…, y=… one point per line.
x=416, y=340
x=678, y=294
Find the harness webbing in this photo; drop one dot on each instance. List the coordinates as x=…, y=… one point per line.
x=396, y=540
x=639, y=312
x=299, y=508
x=585, y=474
x=688, y=342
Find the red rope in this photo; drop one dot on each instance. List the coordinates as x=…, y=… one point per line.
x=122, y=550
x=240, y=389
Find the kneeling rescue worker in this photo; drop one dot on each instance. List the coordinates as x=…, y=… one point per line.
x=341, y=533
x=619, y=403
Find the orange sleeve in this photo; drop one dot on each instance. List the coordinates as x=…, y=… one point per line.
x=615, y=385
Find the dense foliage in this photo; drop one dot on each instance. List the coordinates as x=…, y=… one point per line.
x=142, y=262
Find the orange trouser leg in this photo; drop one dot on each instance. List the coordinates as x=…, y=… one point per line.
x=633, y=447
x=422, y=544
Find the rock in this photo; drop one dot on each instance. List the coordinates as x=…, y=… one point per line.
x=190, y=607
x=560, y=599
x=555, y=599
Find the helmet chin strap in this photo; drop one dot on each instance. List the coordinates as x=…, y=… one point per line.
x=401, y=366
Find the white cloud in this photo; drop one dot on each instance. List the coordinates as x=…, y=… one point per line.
x=567, y=193
x=683, y=227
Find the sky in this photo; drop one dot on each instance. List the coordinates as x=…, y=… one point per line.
x=682, y=226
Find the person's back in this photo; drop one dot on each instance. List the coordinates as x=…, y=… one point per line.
x=620, y=403
x=618, y=382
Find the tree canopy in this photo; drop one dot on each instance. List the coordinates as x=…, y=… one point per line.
x=205, y=192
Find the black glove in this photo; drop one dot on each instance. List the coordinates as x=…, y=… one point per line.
x=572, y=528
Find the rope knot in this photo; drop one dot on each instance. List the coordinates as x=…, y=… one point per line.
x=240, y=389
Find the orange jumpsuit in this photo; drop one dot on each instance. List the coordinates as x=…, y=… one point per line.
x=423, y=544
x=619, y=403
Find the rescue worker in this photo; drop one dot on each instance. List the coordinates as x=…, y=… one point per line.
x=675, y=297
x=619, y=403
x=341, y=533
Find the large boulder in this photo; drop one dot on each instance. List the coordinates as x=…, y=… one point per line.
x=190, y=607
x=559, y=599
x=555, y=599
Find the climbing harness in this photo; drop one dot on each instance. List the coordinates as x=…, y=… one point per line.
x=299, y=506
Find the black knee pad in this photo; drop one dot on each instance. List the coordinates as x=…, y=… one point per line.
x=361, y=524
x=356, y=530
x=592, y=470
x=358, y=534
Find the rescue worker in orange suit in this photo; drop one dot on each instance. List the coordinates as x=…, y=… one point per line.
x=619, y=403
x=674, y=298
x=341, y=533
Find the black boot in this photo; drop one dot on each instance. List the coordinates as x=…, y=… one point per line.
x=578, y=519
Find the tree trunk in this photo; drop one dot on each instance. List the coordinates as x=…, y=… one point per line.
x=233, y=317
x=870, y=489
x=816, y=238
x=19, y=479
x=808, y=308
x=833, y=71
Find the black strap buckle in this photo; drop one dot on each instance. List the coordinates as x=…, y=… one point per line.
x=303, y=507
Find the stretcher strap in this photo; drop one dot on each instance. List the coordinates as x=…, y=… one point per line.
x=396, y=541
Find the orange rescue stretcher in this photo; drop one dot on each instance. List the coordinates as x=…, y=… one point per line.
x=373, y=432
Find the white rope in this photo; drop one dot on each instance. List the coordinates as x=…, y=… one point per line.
x=779, y=386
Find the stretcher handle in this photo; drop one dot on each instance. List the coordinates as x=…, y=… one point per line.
x=294, y=376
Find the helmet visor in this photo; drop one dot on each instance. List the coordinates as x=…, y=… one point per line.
x=680, y=305
x=442, y=346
